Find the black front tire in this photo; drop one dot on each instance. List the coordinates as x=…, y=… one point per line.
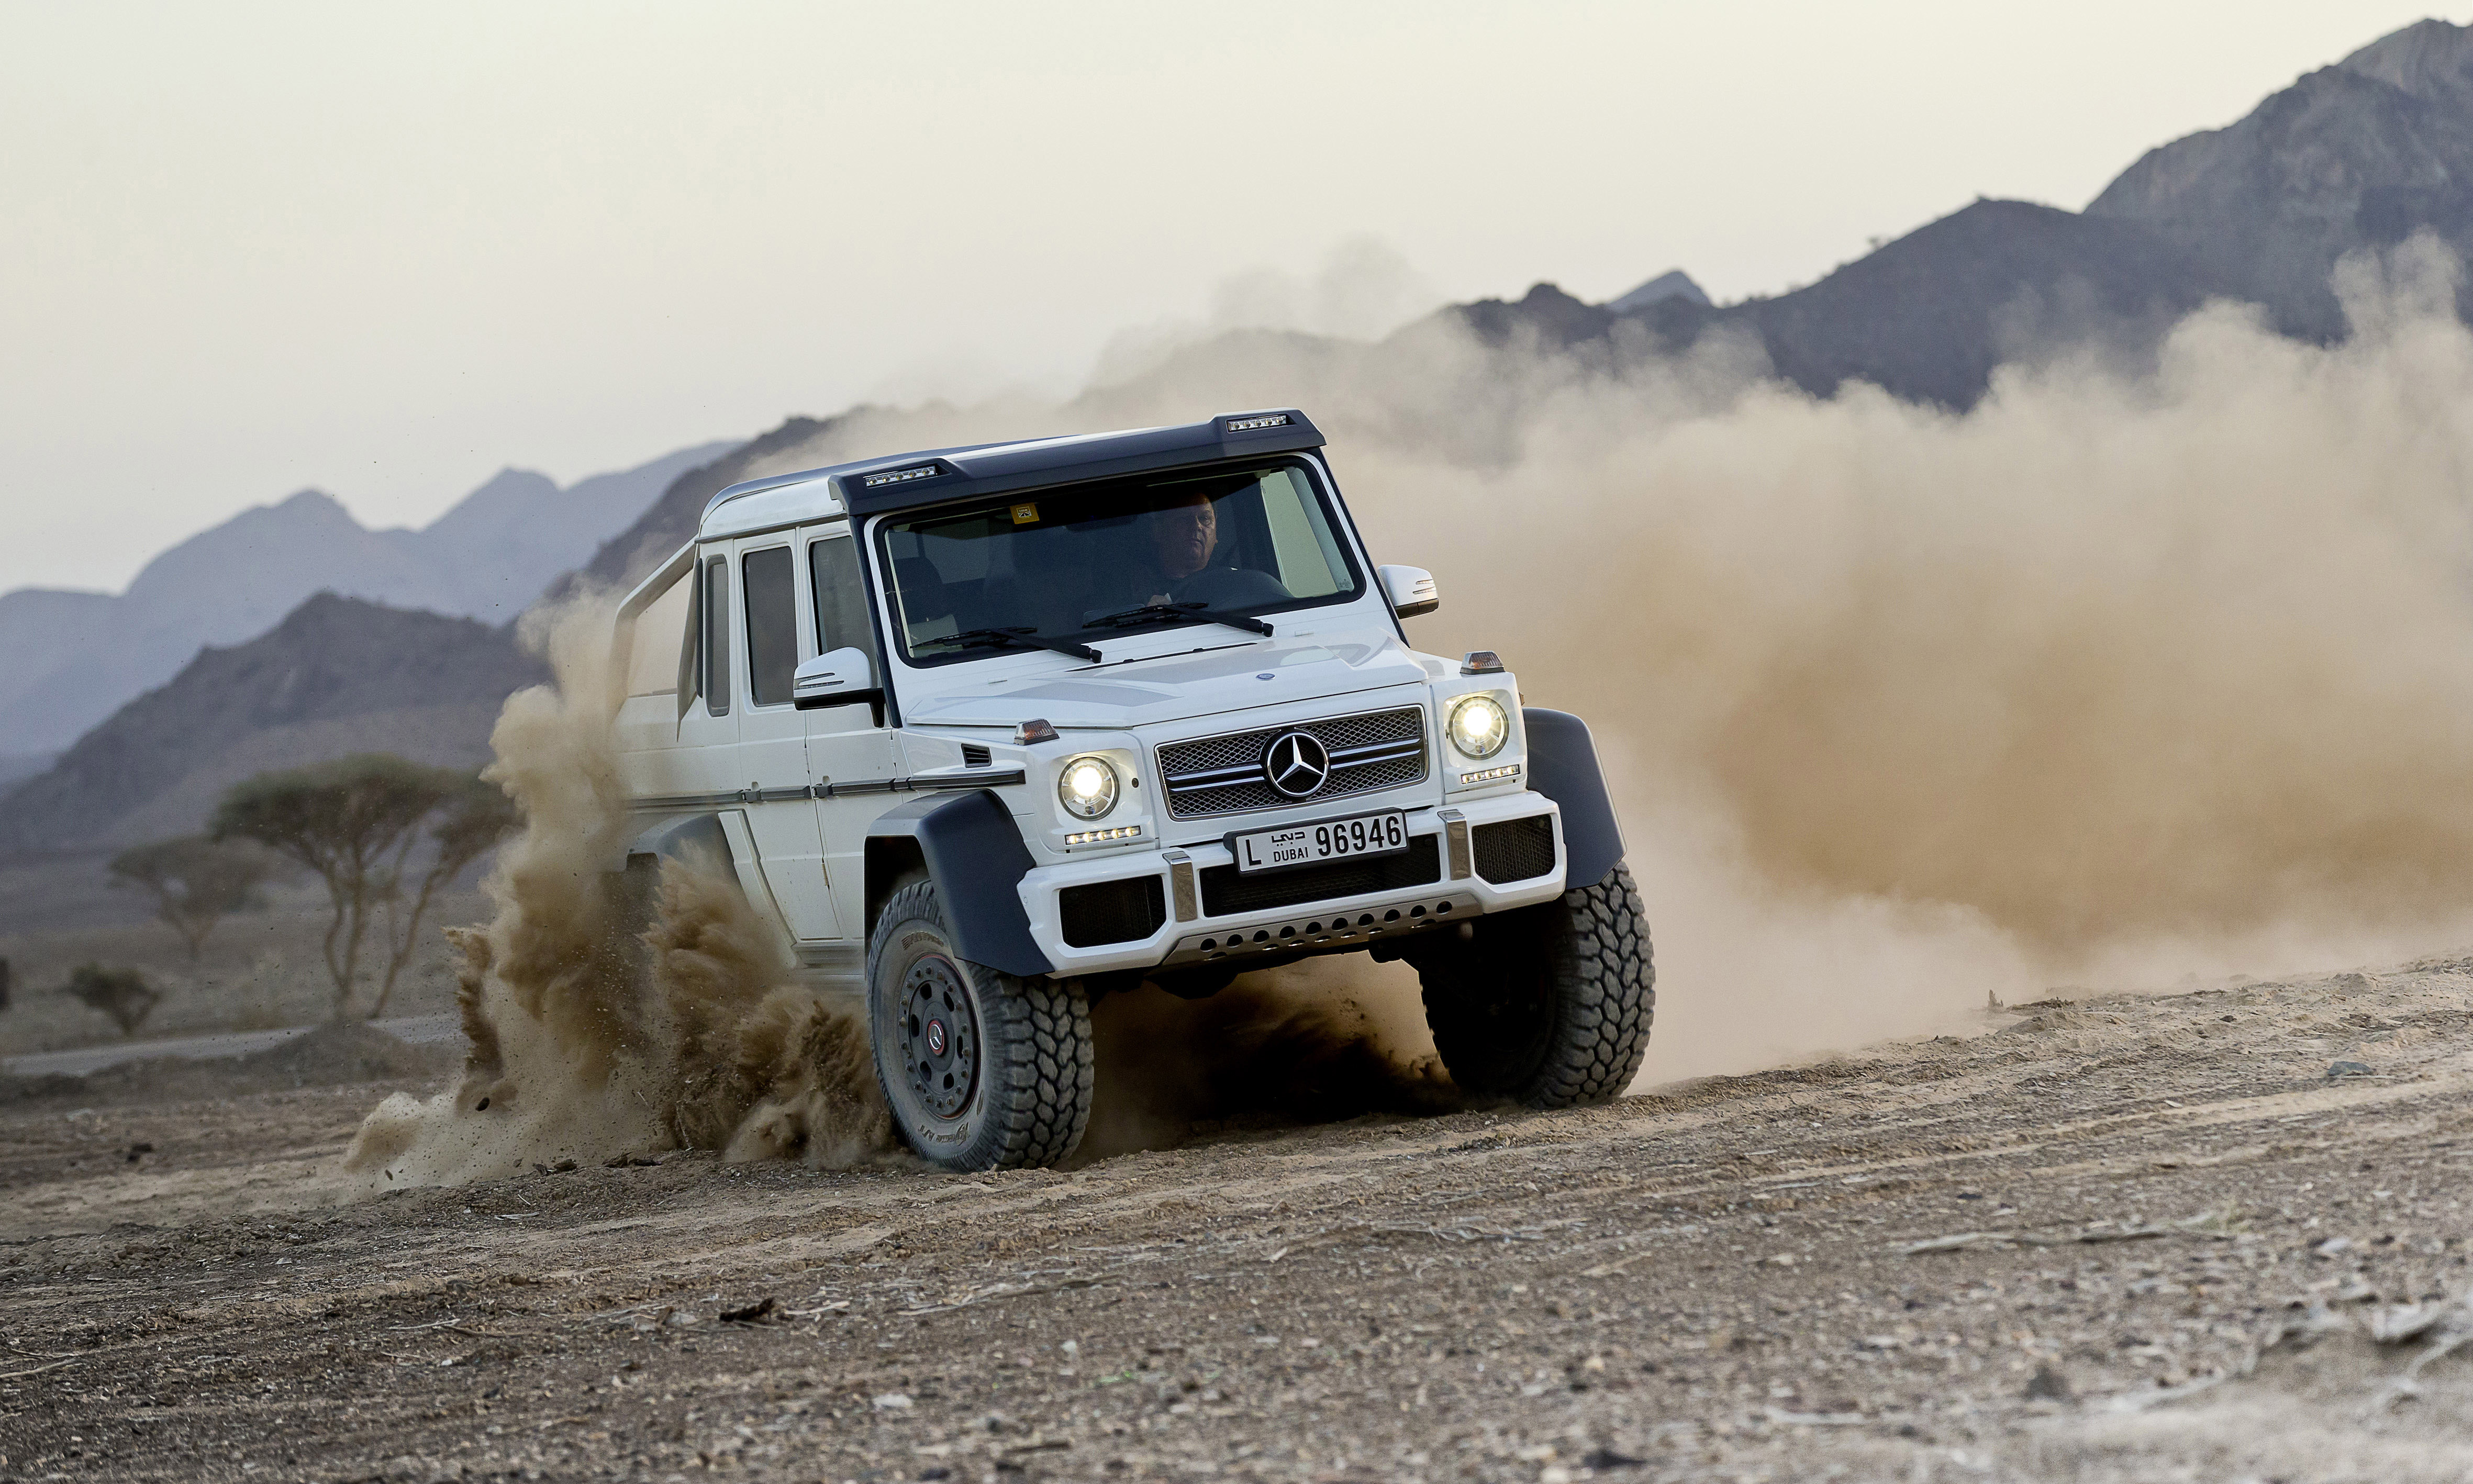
x=1549, y=1005
x=983, y=1071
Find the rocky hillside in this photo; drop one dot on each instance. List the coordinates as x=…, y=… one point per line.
x=1927, y=317
x=337, y=676
x=68, y=660
x=667, y=525
x=2357, y=155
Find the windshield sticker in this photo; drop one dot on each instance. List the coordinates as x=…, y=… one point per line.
x=1025, y=514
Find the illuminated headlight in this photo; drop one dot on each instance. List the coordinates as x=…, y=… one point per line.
x=1087, y=787
x=1478, y=726
x=1490, y=775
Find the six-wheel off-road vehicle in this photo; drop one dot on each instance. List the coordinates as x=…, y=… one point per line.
x=998, y=730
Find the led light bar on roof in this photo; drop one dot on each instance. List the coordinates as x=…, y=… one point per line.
x=900, y=477
x=1277, y=419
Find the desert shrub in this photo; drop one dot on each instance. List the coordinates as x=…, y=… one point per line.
x=122, y=994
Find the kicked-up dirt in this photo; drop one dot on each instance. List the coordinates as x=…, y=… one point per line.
x=2214, y=1236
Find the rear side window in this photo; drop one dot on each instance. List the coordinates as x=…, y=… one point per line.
x=717, y=636
x=772, y=624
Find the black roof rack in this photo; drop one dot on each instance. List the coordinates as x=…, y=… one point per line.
x=938, y=477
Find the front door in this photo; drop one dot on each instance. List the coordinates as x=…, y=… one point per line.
x=772, y=741
x=848, y=745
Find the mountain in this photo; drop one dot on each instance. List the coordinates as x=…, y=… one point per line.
x=67, y=660
x=1926, y=317
x=2357, y=155
x=337, y=676
x=1674, y=284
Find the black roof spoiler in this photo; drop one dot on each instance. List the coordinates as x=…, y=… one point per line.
x=940, y=477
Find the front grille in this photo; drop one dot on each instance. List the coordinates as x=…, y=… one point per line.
x=1514, y=849
x=1112, y=911
x=1224, y=890
x=1223, y=775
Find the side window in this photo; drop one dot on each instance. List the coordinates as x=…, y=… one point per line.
x=715, y=682
x=772, y=623
x=841, y=600
x=1310, y=562
x=653, y=652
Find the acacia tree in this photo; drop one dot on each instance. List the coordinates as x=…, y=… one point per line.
x=195, y=880
x=356, y=821
x=463, y=826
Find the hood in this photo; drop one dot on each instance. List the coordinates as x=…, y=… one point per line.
x=1173, y=687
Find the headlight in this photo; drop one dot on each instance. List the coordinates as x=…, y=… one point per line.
x=1478, y=726
x=1087, y=787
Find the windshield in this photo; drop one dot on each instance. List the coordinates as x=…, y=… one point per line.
x=1090, y=563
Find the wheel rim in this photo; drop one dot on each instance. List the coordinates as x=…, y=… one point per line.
x=939, y=1035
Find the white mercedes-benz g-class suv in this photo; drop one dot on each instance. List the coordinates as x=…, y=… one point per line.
x=1003, y=729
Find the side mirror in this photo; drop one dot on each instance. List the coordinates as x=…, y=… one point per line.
x=842, y=677
x=1410, y=590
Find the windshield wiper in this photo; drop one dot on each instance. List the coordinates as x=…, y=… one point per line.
x=1022, y=638
x=1167, y=612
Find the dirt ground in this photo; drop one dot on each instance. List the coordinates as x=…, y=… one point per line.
x=2115, y=1240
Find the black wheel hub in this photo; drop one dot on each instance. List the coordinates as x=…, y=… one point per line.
x=940, y=1037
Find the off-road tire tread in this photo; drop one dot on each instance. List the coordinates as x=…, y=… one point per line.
x=1040, y=1099
x=1597, y=984
x=1605, y=997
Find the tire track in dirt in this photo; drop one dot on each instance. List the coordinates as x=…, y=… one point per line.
x=1709, y=1278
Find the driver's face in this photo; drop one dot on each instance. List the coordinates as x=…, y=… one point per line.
x=1182, y=537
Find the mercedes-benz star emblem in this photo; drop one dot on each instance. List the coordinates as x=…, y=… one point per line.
x=1297, y=764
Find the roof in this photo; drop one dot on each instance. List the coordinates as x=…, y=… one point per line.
x=942, y=476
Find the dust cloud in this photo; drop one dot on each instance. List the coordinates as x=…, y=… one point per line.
x=2125, y=675
x=604, y=1025
x=1313, y=1041
x=2128, y=675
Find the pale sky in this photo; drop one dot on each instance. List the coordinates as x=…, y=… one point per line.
x=247, y=247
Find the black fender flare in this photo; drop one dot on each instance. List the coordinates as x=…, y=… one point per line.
x=1563, y=766
x=974, y=854
x=674, y=839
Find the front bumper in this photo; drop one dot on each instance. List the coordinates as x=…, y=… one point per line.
x=1193, y=934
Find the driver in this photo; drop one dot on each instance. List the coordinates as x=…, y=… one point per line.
x=1174, y=565
x=1181, y=539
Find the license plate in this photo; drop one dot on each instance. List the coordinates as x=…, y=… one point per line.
x=1308, y=845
